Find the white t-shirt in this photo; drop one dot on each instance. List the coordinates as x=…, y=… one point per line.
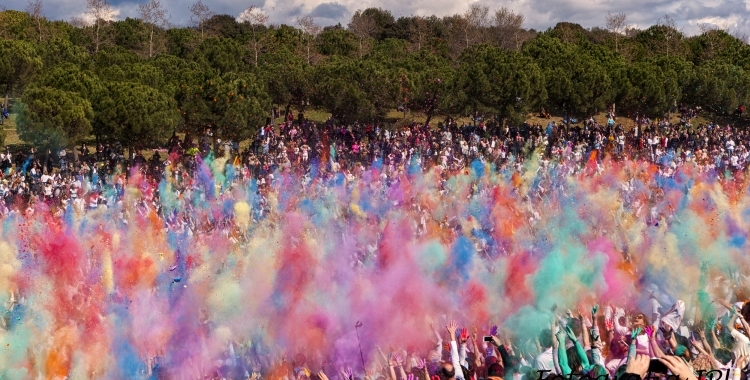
x=546, y=362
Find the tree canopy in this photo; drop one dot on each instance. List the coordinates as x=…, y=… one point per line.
x=138, y=80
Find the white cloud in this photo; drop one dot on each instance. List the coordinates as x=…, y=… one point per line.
x=88, y=18
x=540, y=14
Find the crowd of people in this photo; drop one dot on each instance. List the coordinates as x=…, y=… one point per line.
x=600, y=344
x=707, y=340
x=91, y=178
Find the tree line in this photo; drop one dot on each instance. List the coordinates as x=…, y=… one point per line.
x=139, y=80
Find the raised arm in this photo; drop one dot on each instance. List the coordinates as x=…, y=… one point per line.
x=452, y=326
x=656, y=351
x=596, y=341
x=633, y=343
x=439, y=344
x=703, y=341
x=400, y=364
x=555, y=343
x=562, y=356
x=464, y=336
x=585, y=332
x=579, y=349
x=620, y=329
x=392, y=370
x=382, y=356
x=477, y=356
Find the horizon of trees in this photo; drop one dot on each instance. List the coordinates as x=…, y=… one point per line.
x=139, y=80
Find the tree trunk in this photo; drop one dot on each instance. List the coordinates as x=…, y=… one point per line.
x=96, y=39
x=431, y=109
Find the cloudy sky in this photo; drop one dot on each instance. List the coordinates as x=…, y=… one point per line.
x=733, y=15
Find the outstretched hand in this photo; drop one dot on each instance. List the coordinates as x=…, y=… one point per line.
x=678, y=367
x=464, y=335
x=742, y=362
x=635, y=333
x=569, y=332
x=451, y=327
x=493, y=330
x=560, y=334
x=639, y=365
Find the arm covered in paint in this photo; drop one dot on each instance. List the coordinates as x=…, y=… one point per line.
x=580, y=352
x=562, y=357
x=464, y=336
x=633, y=344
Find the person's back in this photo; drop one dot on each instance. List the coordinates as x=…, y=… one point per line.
x=545, y=360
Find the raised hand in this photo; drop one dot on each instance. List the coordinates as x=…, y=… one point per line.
x=560, y=334
x=639, y=366
x=398, y=359
x=650, y=331
x=742, y=362
x=677, y=366
x=421, y=363
x=635, y=333
x=348, y=373
x=711, y=323
x=451, y=327
x=594, y=310
x=609, y=320
x=493, y=330
x=570, y=334
x=464, y=335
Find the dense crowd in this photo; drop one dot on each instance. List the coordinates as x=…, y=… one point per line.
x=301, y=156
x=332, y=153
x=614, y=344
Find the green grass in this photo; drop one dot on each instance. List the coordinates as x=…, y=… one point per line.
x=11, y=137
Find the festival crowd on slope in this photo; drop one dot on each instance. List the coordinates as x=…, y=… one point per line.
x=597, y=343
x=91, y=178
